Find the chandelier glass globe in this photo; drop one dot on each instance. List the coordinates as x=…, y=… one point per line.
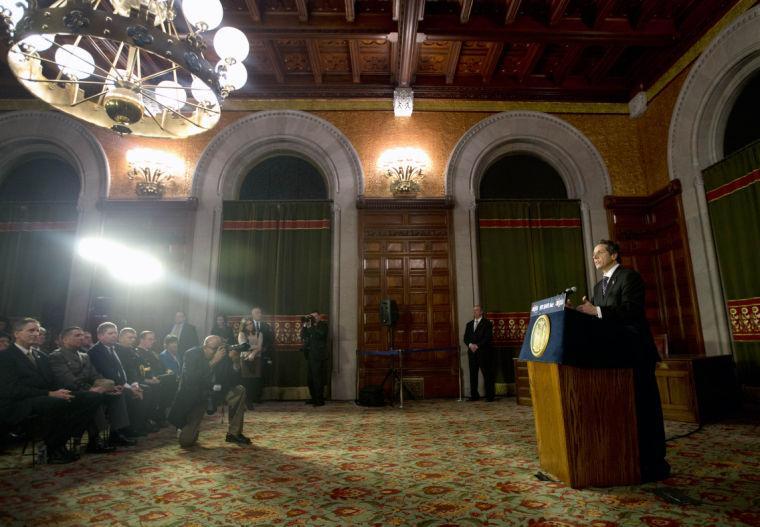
x=231, y=45
x=74, y=62
x=203, y=14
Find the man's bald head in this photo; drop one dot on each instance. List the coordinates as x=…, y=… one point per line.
x=212, y=341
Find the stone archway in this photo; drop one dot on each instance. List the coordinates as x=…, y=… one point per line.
x=558, y=143
x=26, y=133
x=223, y=164
x=697, y=128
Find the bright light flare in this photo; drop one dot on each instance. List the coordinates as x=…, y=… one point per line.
x=122, y=263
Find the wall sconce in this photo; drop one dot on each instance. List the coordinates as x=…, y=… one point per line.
x=405, y=168
x=152, y=169
x=403, y=102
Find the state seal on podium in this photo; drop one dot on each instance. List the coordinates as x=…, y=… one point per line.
x=539, y=336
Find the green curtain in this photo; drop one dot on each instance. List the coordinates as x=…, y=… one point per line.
x=277, y=255
x=732, y=188
x=36, y=249
x=528, y=250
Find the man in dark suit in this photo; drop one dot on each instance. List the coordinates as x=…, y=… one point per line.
x=267, y=348
x=186, y=334
x=73, y=370
x=619, y=299
x=156, y=376
x=28, y=390
x=208, y=372
x=136, y=375
x=477, y=337
x=314, y=338
x=105, y=359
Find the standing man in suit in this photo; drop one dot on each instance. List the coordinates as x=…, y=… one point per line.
x=28, y=389
x=267, y=347
x=619, y=299
x=477, y=337
x=314, y=338
x=186, y=334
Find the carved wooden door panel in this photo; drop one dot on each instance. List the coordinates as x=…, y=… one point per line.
x=406, y=256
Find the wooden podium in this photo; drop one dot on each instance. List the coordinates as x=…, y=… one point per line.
x=581, y=383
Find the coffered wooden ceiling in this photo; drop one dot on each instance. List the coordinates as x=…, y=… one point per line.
x=573, y=50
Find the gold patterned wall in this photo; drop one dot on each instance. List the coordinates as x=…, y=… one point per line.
x=623, y=143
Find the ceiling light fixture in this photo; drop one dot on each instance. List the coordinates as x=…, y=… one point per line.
x=123, y=65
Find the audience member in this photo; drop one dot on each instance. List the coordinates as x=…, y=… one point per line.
x=73, y=370
x=130, y=360
x=170, y=356
x=222, y=329
x=251, y=362
x=28, y=390
x=87, y=342
x=202, y=385
x=186, y=334
x=103, y=356
x=5, y=341
x=267, y=348
x=156, y=375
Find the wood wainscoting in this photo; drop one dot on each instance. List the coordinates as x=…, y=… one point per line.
x=406, y=255
x=651, y=231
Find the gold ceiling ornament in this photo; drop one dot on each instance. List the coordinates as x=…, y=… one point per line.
x=123, y=65
x=152, y=170
x=405, y=168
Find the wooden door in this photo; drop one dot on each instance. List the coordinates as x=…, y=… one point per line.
x=406, y=255
x=652, y=235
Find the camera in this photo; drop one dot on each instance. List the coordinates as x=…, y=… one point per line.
x=307, y=319
x=239, y=347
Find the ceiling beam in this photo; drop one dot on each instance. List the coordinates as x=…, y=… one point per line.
x=605, y=63
x=274, y=60
x=567, y=63
x=316, y=66
x=464, y=15
x=603, y=10
x=531, y=58
x=513, y=8
x=356, y=68
x=451, y=67
x=350, y=11
x=253, y=10
x=557, y=11
x=303, y=10
x=408, y=41
x=491, y=61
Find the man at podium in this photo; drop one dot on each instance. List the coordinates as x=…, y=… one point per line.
x=619, y=298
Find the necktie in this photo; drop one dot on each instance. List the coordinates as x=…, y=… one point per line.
x=605, y=280
x=30, y=356
x=256, y=322
x=474, y=325
x=121, y=368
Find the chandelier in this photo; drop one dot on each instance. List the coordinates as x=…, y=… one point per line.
x=123, y=64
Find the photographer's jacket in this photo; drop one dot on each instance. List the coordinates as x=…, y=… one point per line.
x=194, y=386
x=315, y=341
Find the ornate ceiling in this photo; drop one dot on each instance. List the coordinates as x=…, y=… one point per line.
x=566, y=50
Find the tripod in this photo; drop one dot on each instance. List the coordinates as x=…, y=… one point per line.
x=397, y=374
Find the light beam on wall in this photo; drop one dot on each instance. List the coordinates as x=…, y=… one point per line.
x=121, y=262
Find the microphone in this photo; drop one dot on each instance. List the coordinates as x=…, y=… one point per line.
x=570, y=290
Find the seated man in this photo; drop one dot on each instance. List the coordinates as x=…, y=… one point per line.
x=156, y=375
x=105, y=360
x=28, y=390
x=72, y=370
x=206, y=371
x=170, y=356
x=136, y=375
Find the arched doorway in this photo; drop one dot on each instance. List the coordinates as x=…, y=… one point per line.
x=538, y=135
x=38, y=222
x=275, y=253
x=219, y=176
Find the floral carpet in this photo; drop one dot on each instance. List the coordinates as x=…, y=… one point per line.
x=432, y=463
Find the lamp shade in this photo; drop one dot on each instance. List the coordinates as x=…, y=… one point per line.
x=74, y=61
x=201, y=92
x=39, y=42
x=205, y=14
x=171, y=94
x=232, y=76
x=231, y=44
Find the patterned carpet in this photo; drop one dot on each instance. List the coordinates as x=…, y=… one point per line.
x=432, y=463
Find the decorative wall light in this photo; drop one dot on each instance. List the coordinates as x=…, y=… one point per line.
x=152, y=170
x=123, y=65
x=405, y=168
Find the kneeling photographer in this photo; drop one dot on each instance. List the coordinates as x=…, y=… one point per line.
x=210, y=377
x=314, y=338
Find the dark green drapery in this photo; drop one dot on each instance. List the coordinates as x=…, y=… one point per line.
x=528, y=250
x=732, y=188
x=36, y=249
x=276, y=255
